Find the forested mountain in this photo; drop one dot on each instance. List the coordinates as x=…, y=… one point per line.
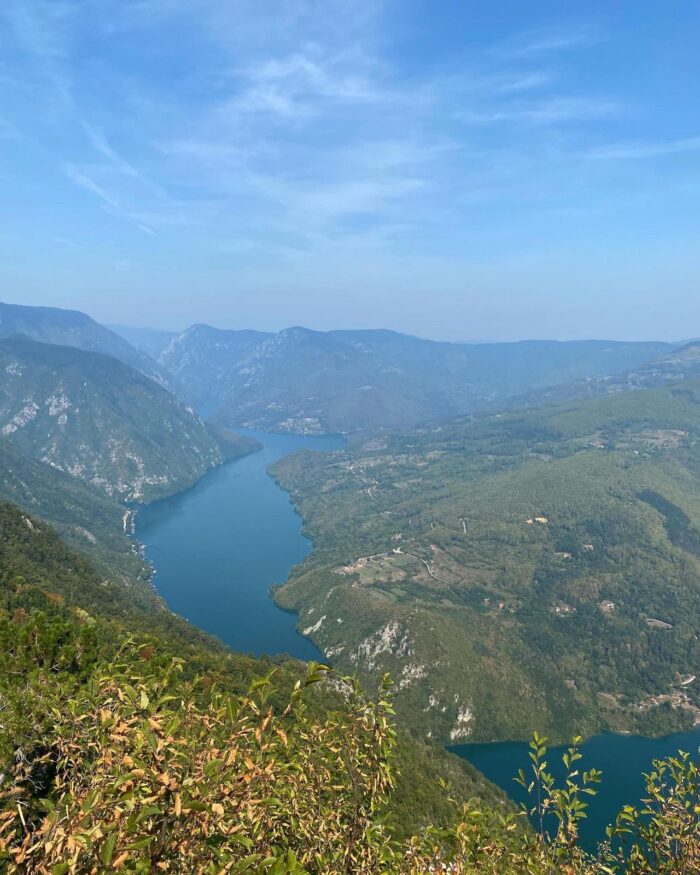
x=98, y=419
x=347, y=381
x=62, y=626
x=307, y=381
x=131, y=742
x=85, y=516
x=209, y=362
x=73, y=328
x=538, y=569
x=678, y=364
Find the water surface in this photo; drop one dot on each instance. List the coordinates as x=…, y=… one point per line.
x=218, y=547
x=622, y=758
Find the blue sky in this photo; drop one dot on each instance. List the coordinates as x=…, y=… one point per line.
x=454, y=169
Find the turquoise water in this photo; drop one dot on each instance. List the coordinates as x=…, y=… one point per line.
x=218, y=547
x=622, y=759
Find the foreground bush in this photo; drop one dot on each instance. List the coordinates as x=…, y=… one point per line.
x=145, y=774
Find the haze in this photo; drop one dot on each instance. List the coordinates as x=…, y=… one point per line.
x=457, y=170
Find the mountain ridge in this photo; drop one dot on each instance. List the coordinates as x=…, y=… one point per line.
x=97, y=418
x=74, y=328
x=345, y=381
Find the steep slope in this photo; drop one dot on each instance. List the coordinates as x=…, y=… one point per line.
x=348, y=381
x=152, y=341
x=534, y=570
x=208, y=361
x=118, y=755
x=73, y=328
x=84, y=516
x=100, y=420
x=61, y=621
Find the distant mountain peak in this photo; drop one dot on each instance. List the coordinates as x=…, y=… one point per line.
x=76, y=329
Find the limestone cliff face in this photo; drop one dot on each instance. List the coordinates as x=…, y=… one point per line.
x=96, y=418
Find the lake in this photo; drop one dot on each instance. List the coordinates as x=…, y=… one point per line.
x=218, y=547
x=621, y=758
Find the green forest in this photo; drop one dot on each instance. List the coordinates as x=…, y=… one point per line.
x=524, y=571
x=136, y=744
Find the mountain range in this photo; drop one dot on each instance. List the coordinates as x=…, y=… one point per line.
x=457, y=545
x=100, y=420
x=305, y=381
x=513, y=534
x=680, y=363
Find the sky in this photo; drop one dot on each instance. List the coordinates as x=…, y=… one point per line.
x=453, y=169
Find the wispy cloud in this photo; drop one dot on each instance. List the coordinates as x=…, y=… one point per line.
x=300, y=86
x=552, y=111
x=634, y=151
x=547, y=41
x=296, y=126
x=42, y=27
x=110, y=201
x=100, y=143
x=84, y=181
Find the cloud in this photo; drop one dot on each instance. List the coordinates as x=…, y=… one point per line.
x=298, y=125
x=547, y=41
x=117, y=161
x=85, y=182
x=552, y=111
x=109, y=201
x=513, y=83
x=42, y=27
x=300, y=86
x=633, y=151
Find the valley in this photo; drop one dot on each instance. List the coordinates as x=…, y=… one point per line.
x=218, y=547
x=501, y=567
x=349, y=438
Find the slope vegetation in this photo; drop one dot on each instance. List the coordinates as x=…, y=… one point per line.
x=350, y=381
x=73, y=328
x=84, y=516
x=118, y=756
x=104, y=422
x=209, y=362
x=534, y=570
x=679, y=364
x=61, y=624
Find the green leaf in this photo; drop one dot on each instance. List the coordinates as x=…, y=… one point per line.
x=108, y=847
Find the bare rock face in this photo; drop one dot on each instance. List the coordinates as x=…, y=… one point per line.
x=101, y=421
